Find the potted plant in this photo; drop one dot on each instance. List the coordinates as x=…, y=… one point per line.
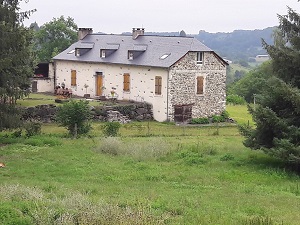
x=86, y=95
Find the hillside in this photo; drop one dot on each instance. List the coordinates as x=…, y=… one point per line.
x=239, y=44
x=235, y=46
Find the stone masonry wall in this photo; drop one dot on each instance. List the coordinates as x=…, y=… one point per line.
x=183, y=85
x=121, y=113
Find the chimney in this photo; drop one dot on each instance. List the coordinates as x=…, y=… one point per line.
x=137, y=32
x=82, y=32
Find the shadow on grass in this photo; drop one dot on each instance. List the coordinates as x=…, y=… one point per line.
x=262, y=161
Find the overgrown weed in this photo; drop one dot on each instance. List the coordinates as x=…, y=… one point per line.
x=145, y=150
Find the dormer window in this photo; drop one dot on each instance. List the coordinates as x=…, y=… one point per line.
x=102, y=53
x=200, y=57
x=130, y=55
x=77, y=52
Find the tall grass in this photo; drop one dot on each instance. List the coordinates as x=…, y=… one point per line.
x=153, y=148
x=32, y=206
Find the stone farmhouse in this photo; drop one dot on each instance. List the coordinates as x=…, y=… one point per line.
x=181, y=77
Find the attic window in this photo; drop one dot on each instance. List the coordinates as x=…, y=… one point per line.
x=200, y=56
x=130, y=55
x=72, y=51
x=164, y=56
x=102, y=53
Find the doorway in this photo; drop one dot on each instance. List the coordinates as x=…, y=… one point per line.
x=99, y=83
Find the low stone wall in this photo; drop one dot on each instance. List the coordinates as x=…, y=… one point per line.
x=121, y=113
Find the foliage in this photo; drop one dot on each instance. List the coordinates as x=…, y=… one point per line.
x=277, y=116
x=111, y=129
x=75, y=116
x=201, y=120
x=16, y=60
x=54, y=37
x=235, y=99
x=32, y=128
x=215, y=119
x=253, y=83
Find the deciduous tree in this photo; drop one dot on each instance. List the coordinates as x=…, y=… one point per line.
x=54, y=37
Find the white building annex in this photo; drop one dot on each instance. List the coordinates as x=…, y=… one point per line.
x=179, y=76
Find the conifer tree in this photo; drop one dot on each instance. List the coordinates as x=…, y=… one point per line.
x=16, y=60
x=277, y=116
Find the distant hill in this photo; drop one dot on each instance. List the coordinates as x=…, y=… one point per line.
x=235, y=46
x=239, y=44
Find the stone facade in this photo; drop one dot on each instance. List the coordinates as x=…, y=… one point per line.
x=182, y=88
x=119, y=113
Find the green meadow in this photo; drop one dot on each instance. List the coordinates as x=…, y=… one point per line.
x=152, y=173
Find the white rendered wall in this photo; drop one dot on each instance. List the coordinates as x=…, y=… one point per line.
x=142, y=82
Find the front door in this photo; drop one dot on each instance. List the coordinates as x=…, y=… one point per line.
x=99, y=85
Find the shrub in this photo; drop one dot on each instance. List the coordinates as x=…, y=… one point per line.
x=202, y=120
x=225, y=114
x=235, y=99
x=32, y=128
x=111, y=129
x=75, y=116
x=218, y=118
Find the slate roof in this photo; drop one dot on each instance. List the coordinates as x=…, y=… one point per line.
x=149, y=49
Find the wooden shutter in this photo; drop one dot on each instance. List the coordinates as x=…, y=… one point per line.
x=126, y=82
x=200, y=85
x=73, y=77
x=158, y=82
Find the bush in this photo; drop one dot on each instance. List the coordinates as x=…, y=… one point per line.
x=111, y=129
x=75, y=116
x=235, y=99
x=32, y=128
x=218, y=118
x=201, y=120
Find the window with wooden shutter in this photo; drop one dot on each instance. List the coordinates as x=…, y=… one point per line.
x=200, y=85
x=126, y=82
x=158, y=82
x=73, y=78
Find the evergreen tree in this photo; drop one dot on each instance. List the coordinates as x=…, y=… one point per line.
x=16, y=61
x=277, y=116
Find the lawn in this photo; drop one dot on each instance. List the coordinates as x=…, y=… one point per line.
x=153, y=173
x=34, y=99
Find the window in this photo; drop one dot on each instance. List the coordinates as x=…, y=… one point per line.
x=158, y=82
x=126, y=82
x=164, y=56
x=130, y=55
x=200, y=85
x=102, y=53
x=77, y=52
x=73, y=77
x=200, y=57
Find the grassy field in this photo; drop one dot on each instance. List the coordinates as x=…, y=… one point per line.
x=153, y=173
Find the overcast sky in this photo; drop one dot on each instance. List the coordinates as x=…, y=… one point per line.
x=117, y=16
